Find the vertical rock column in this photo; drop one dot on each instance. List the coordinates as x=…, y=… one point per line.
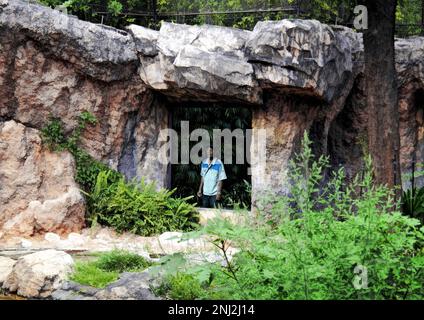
x=411, y=129
x=285, y=119
x=148, y=139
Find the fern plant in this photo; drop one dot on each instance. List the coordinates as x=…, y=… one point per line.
x=138, y=207
x=413, y=203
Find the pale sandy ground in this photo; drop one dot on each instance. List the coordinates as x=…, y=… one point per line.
x=98, y=239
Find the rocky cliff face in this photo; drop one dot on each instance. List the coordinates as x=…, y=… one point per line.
x=296, y=75
x=38, y=193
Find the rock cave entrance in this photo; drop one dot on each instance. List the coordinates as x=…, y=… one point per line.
x=211, y=116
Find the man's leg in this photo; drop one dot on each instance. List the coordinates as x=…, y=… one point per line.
x=213, y=201
x=205, y=201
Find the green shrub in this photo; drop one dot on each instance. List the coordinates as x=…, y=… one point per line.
x=181, y=286
x=107, y=267
x=139, y=207
x=316, y=242
x=122, y=261
x=413, y=203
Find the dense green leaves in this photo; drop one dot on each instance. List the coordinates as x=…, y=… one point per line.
x=413, y=203
x=121, y=261
x=331, y=242
x=106, y=268
x=139, y=207
x=186, y=177
x=246, y=12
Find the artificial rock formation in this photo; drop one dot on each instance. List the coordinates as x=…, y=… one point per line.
x=6, y=267
x=295, y=75
x=38, y=274
x=38, y=192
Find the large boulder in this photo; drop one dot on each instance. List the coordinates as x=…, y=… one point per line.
x=98, y=50
x=212, y=63
x=301, y=56
x=190, y=62
x=130, y=286
x=409, y=60
x=6, y=266
x=38, y=274
x=47, y=69
x=38, y=193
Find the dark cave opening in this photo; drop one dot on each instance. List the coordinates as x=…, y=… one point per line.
x=185, y=177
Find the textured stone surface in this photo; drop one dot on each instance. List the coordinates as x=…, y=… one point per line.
x=33, y=86
x=37, y=275
x=145, y=39
x=191, y=63
x=303, y=56
x=207, y=214
x=201, y=62
x=38, y=193
x=6, y=266
x=285, y=120
x=70, y=290
x=100, y=239
x=411, y=127
x=409, y=60
x=130, y=286
x=347, y=137
x=98, y=50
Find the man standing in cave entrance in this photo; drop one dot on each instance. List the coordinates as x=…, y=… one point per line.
x=213, y=173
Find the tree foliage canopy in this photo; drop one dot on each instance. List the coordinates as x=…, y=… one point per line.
x=244, y=13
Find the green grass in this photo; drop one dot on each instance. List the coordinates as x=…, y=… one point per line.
x=181, y=286
x=107, y=267
x=122, y=261
x=88, y=273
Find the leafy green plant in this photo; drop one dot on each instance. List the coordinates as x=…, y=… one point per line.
x=107, y=267
x=113, y=12
x=88, y=273
x=139, y=207
x=314, y=242
x=413, y=203
x=122, y=261
x=53, y=135
x=238, y=196
x=181, y=286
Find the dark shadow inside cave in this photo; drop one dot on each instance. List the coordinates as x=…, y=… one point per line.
x=186, y=177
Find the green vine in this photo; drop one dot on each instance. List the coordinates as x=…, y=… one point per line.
x=87, y=168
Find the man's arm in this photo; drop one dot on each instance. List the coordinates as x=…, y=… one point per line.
x=200, y=192
x=222, y=176
x=219, y=189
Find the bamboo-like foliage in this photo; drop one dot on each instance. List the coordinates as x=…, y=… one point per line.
x=186, y=177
